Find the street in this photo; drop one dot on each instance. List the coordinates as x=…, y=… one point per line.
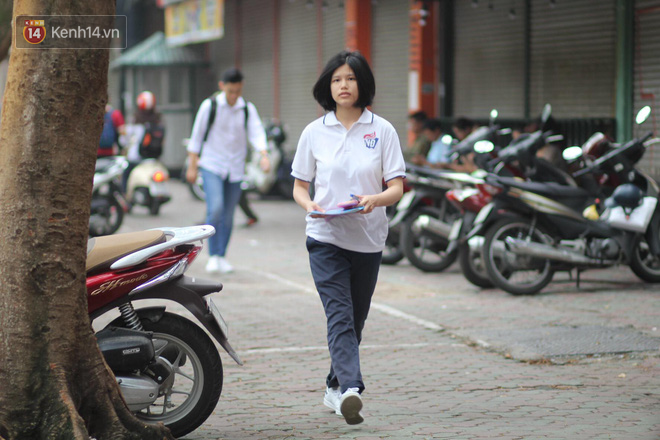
x=441, y=358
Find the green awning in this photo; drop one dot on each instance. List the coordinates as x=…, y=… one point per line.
x=154, y=52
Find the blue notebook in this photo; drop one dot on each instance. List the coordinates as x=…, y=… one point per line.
x=338, y=211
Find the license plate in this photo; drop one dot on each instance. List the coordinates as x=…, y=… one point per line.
x=218, y=318
x=405, y=201
x=455, y=229
x=159, y=189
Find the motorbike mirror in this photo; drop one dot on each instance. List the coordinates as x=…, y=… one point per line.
x=447, y=139
x=643, y=115
x=572, y=153
x=545, y=114
x=484, y=146
x=493, y=115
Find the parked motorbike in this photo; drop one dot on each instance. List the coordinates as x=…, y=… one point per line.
x=148, y=185
x=167, y=367
x=108, y=202
x=495, y=151
x=533, y=229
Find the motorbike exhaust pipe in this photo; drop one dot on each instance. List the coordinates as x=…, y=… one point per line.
x=433, y=225
x=540, y=250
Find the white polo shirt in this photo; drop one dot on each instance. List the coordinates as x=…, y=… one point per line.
x=344, y=162
x=225, y=149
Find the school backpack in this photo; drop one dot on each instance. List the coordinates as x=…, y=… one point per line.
x=151, y=146
x=109, y=133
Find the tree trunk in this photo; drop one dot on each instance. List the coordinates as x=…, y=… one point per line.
x=54, y=382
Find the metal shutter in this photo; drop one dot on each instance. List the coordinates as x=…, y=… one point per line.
x=257, y=28
x=333, y=31
x=221, y=52
x=390, y=56
x=298, y=71
x=573, y=63
x=647, y=78
x=489, y=58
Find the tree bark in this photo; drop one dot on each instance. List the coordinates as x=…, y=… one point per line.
x=54, y=382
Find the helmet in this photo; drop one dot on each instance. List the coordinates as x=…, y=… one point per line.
x=628, y=196
x=146, y=101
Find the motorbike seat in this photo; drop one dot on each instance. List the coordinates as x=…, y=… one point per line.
x=103, y=251
x=572, y=196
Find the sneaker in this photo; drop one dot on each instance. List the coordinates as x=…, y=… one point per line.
x=332, y=398
x=350, y=406
x=213, y=265
x=224, y=266
x=250, y=222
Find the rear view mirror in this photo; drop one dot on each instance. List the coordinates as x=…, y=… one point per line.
x=571, y=153
x=643, y=115
x=547, y=111
x=484, y=146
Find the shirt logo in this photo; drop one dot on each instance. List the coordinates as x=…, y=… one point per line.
x=370, y=140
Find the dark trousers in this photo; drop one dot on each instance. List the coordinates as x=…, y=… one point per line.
x=346, y=281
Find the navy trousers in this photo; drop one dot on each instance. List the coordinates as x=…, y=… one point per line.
x=346, y=281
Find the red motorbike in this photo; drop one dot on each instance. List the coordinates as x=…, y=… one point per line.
x=167, y=367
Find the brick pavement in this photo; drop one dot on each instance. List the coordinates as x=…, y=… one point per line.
x=421, y=383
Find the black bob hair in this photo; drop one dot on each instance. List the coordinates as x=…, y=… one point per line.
x=232, y=75
x=364, y=76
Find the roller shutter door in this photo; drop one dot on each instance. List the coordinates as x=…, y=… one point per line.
x=257, y=54
x=647, y=77
x=333, y=32
x=489, y=59
x=298, y=71
x=390, y=56
x=573, y=58
x=221, y=52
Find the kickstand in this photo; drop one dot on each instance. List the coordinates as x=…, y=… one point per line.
x=577, y=278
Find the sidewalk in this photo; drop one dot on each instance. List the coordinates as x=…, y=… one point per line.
x=441, y=359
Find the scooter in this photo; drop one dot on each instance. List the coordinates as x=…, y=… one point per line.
x=167, y=367
x=108, y=203
x=533, y=229
x=148, y=185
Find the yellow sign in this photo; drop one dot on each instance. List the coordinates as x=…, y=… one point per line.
x=194, y=21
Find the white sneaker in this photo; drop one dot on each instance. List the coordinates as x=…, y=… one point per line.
x=224, y=266
x=350, y=406
x=213, y=265
x=332, y=398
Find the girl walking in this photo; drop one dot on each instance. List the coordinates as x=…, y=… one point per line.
x=349, y=152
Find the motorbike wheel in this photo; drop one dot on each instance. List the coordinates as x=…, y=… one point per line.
x=643, y=263
x=197, y=190
x=154, y=207
x=516, y=274
x=472, y=265
x=424, y=249
x=392, y=253
x=198, y=375
x=105, y=218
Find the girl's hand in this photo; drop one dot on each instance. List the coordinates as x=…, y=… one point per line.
x=369, y=202
x=312, y=206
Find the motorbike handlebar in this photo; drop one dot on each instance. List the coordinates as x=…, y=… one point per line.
x=612, y=154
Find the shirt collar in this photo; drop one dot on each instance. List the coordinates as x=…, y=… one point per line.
x=222, y=100
x=365, y=118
